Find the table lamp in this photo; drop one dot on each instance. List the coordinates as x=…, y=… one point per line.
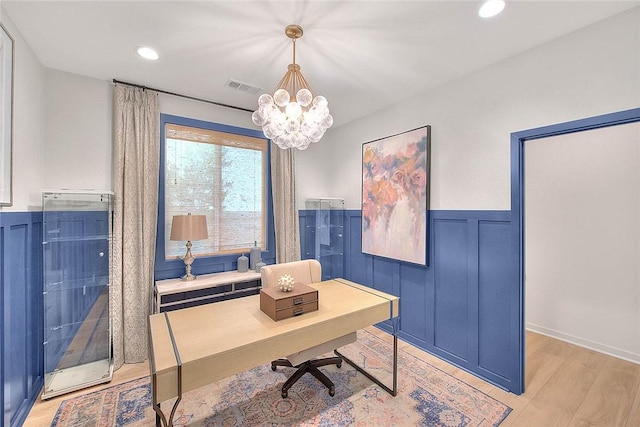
x=189, y=227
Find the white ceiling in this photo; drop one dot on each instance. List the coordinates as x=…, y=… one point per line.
x=361, y=55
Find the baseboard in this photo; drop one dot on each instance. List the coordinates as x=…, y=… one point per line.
x=591, y=345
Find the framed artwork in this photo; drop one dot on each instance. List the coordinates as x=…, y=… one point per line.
x=395, y=196
x=6, y=114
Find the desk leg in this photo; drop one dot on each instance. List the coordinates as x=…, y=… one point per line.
x=160, y=417
x=161, y=420
x=392, y=391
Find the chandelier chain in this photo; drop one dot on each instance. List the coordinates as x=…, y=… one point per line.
x=294, y=51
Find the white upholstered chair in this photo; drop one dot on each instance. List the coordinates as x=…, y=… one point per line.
x=305, y=272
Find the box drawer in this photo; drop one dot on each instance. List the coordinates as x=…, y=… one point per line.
x=280, y=305
x=296, y=300
x=296, y=310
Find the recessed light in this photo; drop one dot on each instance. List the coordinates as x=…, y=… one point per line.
x=491, y=8
x=147, y=53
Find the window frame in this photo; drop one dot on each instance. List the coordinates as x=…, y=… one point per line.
x=172, y=268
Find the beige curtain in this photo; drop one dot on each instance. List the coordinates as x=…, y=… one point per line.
x=136, y=160
x=285, y=212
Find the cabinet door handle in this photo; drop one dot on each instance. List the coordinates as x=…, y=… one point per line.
x=297, y=301
x=298, y=311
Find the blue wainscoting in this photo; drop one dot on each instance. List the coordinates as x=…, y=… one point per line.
x=21, y=323
x=464, y=305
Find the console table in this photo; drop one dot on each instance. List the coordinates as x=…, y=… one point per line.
x=201, y=288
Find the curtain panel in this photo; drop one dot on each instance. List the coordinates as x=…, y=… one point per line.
x=285, y=212
x=136, y=161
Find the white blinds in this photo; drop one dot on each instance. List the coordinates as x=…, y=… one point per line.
x=220, y=175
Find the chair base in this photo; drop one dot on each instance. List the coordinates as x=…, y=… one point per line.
x=310, y=366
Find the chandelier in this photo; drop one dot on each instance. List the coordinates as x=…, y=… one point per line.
x=293, y=117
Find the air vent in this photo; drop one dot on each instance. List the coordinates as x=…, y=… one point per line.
x=234, y=84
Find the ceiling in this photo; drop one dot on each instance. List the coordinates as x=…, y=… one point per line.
x=361, y=55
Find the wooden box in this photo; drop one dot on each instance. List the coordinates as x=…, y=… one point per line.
x=281, y=305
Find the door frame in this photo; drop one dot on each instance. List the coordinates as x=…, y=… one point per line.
x=518, y=139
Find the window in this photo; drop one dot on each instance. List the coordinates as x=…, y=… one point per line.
x=214, y=170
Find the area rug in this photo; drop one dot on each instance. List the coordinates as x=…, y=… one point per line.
x=426, y=396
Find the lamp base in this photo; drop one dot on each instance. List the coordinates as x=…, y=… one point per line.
x=188, y=260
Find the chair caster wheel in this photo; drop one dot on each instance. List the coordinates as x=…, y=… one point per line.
x=285, y=394
x=339, y=365
x=332, y=391
x=273, y=367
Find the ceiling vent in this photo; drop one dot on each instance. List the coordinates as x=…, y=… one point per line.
x=234, y=84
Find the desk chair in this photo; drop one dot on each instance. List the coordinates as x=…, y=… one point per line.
x=305, y=272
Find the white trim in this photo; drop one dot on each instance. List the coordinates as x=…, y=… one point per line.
x=571, y=339
x=79, y=191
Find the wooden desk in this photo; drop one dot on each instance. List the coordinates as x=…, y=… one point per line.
x=196, y=346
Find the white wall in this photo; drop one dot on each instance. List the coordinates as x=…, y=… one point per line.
x=63, y=128
x=79, y=128
x=582, y=221
x=589, y=72
x=203, y=111
x=28, y=123
x=78, y=132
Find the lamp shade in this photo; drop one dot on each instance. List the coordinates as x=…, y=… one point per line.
x=189, y=227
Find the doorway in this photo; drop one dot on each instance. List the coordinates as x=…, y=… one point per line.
x=544, y=136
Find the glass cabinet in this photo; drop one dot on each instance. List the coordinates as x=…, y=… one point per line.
x=77, y=246
x=323, y=235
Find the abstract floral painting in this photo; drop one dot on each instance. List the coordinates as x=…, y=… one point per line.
x=395, y=196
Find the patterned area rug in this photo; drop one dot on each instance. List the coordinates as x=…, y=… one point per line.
x=427, y=396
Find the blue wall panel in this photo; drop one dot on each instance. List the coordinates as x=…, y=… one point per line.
x=460, y=306
x=495, y=261
x=385, y=275
x=416, y=287
x=35, y=335
x=451, y=287
x=357, y=264
x=15, y=296
x=21, y=313
x=2, y=287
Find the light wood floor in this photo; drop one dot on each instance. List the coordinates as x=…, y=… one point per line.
x=566, y=385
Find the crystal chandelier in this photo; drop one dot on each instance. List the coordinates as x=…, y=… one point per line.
x=293, y=117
